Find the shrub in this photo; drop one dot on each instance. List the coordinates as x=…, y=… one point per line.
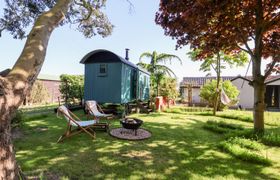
x=208, y=93
x=71, y=88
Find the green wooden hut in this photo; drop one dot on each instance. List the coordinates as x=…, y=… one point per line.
x=110, y=78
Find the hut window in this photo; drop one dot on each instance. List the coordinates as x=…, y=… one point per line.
x=103, y=70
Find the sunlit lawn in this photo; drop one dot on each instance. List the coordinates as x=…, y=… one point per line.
x=178, y=149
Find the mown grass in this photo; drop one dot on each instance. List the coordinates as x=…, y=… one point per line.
x=180, y=148
x=221, y=126
x=246, y=150
x=271, y=138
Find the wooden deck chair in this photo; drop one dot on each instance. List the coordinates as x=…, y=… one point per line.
x=80, y=126
x=92, y=109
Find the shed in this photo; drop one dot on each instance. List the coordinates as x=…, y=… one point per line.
x=110, y=78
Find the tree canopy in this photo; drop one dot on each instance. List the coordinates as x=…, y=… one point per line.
x=227, y=25
x=87, y=15
x=231, y=26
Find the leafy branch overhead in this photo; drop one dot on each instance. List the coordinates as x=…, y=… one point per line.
x=87, y=16
x=208, y=63
x=231, y=26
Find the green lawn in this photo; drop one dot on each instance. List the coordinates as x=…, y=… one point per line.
x=180, y=148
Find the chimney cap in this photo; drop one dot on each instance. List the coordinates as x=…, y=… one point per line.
x=126, y=54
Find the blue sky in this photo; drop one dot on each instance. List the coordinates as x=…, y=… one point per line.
x=134, y=29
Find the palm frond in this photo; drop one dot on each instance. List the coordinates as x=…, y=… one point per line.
x=164, y=57
x=165, y=69
x=145, y=54
x=143, y=65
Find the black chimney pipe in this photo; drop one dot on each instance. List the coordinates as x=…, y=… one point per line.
x=126, y=54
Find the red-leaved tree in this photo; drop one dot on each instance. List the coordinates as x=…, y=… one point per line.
x=231, y=26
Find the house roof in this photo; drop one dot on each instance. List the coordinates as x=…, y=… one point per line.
x=48, y=77
x=5, y=72
x=247, y=78
x=143, y=70
x=102, y=55
x=271, y=79
x=200, y=81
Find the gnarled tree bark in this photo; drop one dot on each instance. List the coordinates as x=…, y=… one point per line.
x=15, y=86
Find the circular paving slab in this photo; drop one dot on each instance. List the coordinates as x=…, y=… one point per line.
x=128, y=134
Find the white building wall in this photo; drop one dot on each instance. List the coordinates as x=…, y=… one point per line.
x=184, y=93
x=274, y=83
x=246, y=96
x=195, y=95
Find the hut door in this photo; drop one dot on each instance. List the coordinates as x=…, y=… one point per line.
x=134, y=84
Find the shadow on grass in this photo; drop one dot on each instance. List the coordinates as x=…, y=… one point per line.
x=178, y=148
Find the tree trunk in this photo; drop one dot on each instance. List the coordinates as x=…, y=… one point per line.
x=8, y=168
x=16, y=85
x=217, y=92
x=259, y=104
x=157, y=87
x=258, y=78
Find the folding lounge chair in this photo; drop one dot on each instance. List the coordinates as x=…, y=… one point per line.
x=81, y=126
x=92, y=109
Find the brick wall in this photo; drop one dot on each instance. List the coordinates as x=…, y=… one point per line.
x=53, y=89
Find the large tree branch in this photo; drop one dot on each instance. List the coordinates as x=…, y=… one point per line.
x=245, y=41
x=268, y=72
x=244, y=49
x=29, y=64
x=272, y=22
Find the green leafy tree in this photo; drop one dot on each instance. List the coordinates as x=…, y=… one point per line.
x=218, y=62
x=39, y=93
x=208, y=94
x=155, y=67
x=168, y=88
x=42, y=17
x=72, y=87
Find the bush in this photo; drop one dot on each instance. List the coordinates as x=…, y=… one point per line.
x=72, y=88
x=208, y=93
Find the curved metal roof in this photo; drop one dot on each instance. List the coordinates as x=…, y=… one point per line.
x=109, y=57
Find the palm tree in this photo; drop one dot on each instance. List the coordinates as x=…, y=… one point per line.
x=158, y=70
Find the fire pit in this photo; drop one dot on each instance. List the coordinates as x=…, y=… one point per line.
x=131, y=123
